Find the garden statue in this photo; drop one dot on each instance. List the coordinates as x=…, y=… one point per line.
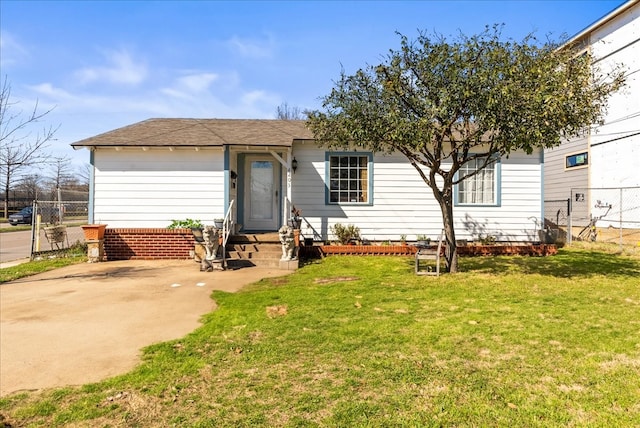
x=211, y=245
x=288, y=243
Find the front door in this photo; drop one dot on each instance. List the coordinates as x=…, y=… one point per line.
x=261, y=192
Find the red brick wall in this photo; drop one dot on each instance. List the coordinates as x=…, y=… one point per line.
x=147, y=244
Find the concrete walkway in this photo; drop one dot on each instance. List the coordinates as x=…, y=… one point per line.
x=86, y=322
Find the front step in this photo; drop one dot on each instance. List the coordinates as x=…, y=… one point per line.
x=256, y=249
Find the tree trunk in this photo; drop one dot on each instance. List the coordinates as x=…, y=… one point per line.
x=6, y=194
x=451, y=252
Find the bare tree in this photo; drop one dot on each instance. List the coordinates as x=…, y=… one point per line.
x=20, y=147
x=60, y=174
x=83, y=176
x=286, y=112
x=29, y=186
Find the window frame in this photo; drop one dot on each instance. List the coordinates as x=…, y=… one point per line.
x=327, y=187
x=497, y=179
x=570, y=155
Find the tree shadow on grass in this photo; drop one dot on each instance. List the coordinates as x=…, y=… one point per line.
x=566, y=264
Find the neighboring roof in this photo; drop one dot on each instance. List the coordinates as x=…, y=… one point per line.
x=202, y=133
x=602, y=21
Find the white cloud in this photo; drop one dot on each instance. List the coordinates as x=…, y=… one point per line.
x=12, y=51
x=198, y=82
x=48, y=90
x=252, y=48
x=121, y=68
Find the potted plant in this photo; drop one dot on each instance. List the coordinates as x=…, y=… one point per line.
x=296, y=220
x=218, y=223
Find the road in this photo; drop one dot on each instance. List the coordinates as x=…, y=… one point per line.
x=17, y=245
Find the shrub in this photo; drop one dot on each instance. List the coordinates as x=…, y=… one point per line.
x=344, y=234
x=186, y=224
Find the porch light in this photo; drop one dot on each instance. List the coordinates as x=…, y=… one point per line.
x=294, y=165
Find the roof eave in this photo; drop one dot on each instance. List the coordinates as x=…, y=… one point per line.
x=613, y=14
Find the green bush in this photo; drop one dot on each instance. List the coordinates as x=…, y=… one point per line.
x=344, y=234
x=186, y=224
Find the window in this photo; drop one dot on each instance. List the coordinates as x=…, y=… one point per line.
x=579, y=159
x=481, y=188
x=349, y=178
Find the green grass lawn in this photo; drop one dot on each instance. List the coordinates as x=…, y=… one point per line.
x=362, y=341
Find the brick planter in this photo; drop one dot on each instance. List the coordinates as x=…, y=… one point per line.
x=148, y=244
x=469, y=250
x=372, y=250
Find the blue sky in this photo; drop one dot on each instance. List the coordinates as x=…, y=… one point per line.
x=107, y=64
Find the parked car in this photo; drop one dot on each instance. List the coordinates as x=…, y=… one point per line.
x=25, y=216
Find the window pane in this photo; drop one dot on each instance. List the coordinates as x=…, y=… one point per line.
x=349, y=175
x=479, y=188
x=579, y=159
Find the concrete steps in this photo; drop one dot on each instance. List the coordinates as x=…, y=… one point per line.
x=256, y=249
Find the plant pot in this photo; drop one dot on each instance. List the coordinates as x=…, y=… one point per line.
x=218, y=223
x=94, y=232
x=197, y=234
x=295, y=223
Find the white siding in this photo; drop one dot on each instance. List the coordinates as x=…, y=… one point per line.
x=404, y=204
x=135, y=188
x=615, y=159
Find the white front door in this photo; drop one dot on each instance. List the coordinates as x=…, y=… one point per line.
x=261, y=192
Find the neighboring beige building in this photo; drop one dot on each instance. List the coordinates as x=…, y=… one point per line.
x=608, y=158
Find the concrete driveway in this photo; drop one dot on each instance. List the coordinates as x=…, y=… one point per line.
x=86, y=322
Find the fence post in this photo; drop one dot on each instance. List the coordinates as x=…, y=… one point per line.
x=620, y=225
x=569, y=229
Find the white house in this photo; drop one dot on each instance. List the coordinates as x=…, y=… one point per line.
x=595, y=168
x=153, y=172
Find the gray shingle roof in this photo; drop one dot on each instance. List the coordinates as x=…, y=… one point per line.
x=201, y=133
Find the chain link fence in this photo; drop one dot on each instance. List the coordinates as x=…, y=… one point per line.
x=605, y=215
x=556, y=217
x=55, y=229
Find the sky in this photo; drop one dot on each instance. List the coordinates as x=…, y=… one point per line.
x=101, y=65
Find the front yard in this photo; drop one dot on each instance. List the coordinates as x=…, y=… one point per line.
x=362, y=341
